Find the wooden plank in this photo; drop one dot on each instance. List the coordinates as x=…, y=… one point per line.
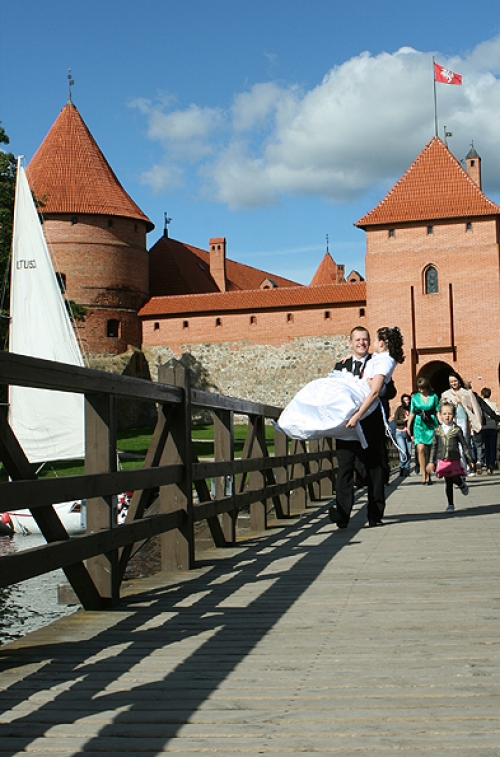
x=20, y=566
x=327, y=483
x=211, y=469
x=224, y=451
x=178, y=546
x=246, y=498
x=35, y=494
x=298, y=471
x=101, y=457
x=258, y=509
x=46, y=374
x=200, y=398
x=280, y=451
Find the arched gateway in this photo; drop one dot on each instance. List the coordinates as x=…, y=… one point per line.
x=437, y=372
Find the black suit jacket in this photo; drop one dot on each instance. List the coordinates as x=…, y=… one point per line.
x=387, y=393
x=347, y=364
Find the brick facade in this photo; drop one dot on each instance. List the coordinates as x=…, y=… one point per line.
x=445, y=328
x=276, y=327
x=103, y=262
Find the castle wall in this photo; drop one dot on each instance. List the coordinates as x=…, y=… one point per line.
x=466, y=258
x=258, y=372
x=274, y=327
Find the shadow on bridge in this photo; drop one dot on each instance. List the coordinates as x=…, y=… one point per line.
x=198, y=628
x=131, y=679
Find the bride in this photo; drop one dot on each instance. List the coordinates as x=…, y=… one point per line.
x=337, y=405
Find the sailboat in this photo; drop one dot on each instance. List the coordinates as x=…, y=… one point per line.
x=49, y=425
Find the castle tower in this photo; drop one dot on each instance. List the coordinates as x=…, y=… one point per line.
x=473, y=162
x=432, y=268
x=96, y=233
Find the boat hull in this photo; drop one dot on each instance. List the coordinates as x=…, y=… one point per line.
x=71, y=514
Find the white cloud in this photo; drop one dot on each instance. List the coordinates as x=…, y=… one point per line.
x=163, y=178
x=361, y=126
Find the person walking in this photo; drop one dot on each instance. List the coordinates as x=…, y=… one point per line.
x=490, y=432
x=423, y=421
x=376, y=370
x=403, y=437
x=468, y=413
x=446, y=448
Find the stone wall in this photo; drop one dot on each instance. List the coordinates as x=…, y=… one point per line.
x=131, y=413
x=260, y=373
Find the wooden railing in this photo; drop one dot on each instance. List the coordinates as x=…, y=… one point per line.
x=163, y=502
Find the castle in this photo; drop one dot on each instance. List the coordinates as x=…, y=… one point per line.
x=432, y=268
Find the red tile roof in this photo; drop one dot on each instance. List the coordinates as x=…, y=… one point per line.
x=326, y=273
x=280, y=298
x=71, y=175
x=435, y=186
x=177, y=268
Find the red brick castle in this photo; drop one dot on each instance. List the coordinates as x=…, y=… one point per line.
x=432, y=267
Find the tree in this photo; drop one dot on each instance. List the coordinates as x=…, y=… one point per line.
x=7, y=190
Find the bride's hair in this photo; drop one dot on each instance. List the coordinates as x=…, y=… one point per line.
x=394, y=341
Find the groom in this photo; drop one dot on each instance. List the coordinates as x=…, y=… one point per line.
x=373, y=458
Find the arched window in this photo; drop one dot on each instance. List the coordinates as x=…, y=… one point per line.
x=431, y=280
x=113, y=328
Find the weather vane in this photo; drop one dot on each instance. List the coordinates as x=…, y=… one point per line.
x=166, y=222
x=71, y=82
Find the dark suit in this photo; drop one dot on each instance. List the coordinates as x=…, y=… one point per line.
x=373, y=458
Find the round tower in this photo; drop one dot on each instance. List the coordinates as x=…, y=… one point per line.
x=95, y=231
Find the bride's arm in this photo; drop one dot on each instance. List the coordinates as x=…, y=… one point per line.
x=376, y=384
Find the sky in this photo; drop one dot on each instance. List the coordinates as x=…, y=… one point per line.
x=274, y=123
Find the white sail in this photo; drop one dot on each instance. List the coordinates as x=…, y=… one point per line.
x=49, y=425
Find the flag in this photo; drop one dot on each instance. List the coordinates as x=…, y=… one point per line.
x=445, y=76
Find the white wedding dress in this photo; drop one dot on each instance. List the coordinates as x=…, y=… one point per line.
x=322, y=407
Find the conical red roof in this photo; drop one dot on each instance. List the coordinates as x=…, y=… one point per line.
x=435, y=186
x=326, y=273
x=71, y=175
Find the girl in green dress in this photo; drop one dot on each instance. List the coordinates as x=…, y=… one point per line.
x=423, y=415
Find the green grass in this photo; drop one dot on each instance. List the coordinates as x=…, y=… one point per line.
x=136, y=441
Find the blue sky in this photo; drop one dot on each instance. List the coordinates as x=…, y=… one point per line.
x=273, y=123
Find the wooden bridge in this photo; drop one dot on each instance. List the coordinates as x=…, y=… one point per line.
x=301, y=638
x=163, y=501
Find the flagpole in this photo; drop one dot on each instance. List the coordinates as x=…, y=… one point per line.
x=435, y=98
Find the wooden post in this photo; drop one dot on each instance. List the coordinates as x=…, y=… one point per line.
x=258, y=510
x=178, y=546
x=298, y=497
x=101, y=457
x=327, y=484
x=281, y=450
x=314, y=467
x=224, y=450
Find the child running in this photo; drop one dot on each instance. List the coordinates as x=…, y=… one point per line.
x=448, y=439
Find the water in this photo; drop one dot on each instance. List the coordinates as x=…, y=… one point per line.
x=31, y=604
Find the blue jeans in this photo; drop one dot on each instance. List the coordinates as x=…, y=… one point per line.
x=477, y=449
x=404, y=446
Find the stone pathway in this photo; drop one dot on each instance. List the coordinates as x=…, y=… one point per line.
x=307, y=640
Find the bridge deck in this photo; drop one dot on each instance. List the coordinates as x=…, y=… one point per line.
x=307, y=640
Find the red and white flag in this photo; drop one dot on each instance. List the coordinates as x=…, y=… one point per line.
x=445, y=76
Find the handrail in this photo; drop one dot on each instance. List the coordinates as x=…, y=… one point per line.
x=162, y=504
